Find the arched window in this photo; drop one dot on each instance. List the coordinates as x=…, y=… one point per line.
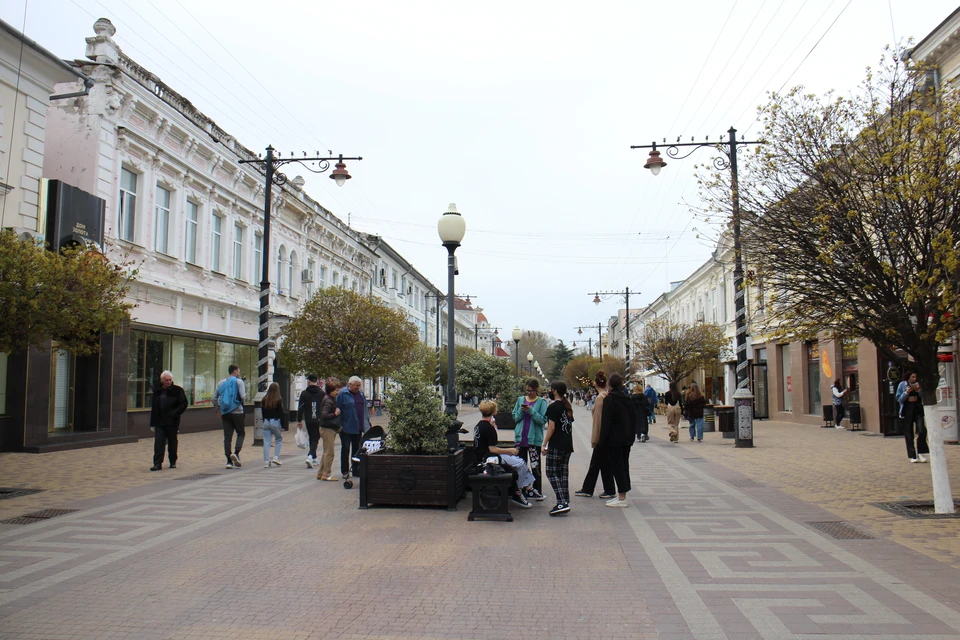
x=281, y=259
x=293, y=274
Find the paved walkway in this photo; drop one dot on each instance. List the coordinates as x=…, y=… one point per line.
x=717, y=545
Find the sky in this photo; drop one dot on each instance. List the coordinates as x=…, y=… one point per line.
x=522, y=113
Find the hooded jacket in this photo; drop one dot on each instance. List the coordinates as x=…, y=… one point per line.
x=617, y=421
x=308, y=408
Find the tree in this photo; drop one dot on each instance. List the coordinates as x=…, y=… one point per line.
x=482, y=375
x=541, y=346
x=417, y=423
x=71, y=296
x=459, y=353
x=345, y=333
x=577, y=371
x=676, y=350
x=562, y=354
x=856, y=221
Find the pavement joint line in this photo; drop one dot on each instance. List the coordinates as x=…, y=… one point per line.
x=912, y=595
x=15, y=594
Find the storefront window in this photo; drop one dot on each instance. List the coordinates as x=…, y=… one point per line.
x=813, y=377
x=197, y=365
x=851, y=368
x=786, y=377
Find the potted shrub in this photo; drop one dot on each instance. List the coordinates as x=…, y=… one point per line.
x=416, y=468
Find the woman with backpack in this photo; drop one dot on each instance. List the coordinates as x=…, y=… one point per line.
x=274, y=420
x=558, y=445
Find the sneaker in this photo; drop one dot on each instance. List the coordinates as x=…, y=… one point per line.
x=310, y=462
x=922, y=457
x=644, y=438
x=520, y=501
x=230, y=465
x=346, y=476
x=583, y=494
x=699, y=440
x=155, y=467
x=692, y=439
x=266, y=465
x=914, y=460
x=533, y=494
x=173, y=465
x=618, y=503
x=839, y=426
x=235, y=459
x=607, y=496
x=556, y=510
x=277, y=462
x=564, y=509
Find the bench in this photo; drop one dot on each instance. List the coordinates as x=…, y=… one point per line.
x=491, y=495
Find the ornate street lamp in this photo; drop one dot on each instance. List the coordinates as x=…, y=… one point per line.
x=743, y=398
x=530, y=361
x=451, y=228
x=626, y=294
x=517, y=334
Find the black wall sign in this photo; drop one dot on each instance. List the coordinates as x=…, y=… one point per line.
x=73, y=216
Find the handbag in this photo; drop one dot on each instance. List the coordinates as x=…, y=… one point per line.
x=302, y=439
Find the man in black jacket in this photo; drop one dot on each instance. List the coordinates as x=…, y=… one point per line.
x=308, y=409
x=169, y=403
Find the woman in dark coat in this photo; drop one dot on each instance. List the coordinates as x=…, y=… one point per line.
x=642, y=406
x=617, y=433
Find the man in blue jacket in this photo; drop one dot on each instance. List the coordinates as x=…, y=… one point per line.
x=353, y=422
x=651, y=402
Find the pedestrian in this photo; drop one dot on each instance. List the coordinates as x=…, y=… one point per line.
x=275, y=419
x=911, y=411
x=228, y=400
x=329, y=428
x=353, y=422
x=598, y=459
x=641, y=404
x=838, y=393
x=695, y=402
x=169, y=403
x=486, y=443
x=558, y=446
x=673, y=399
x=652, y=401
x=530, y=416
x=308, y=412
x=616, y=437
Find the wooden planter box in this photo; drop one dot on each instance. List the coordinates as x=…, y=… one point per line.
x=390, y=479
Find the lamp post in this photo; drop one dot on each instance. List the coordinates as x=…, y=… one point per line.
x=517, y=334
x=451, y=228
x=476, y=334
x=743, y=398
x=530, y=361
x=599, y=338
x=272, y=177
x=437, y=296
x=626, y=294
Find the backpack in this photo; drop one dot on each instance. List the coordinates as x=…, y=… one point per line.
x=229, y=395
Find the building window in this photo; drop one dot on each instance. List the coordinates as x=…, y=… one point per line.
x=238, y=251
x=786, y=377
x=308, y=281
x=258, y=257
x=128, y=205
x=190, y=232
x=197, y=366
x=850, y=365
x=323, y=277
x=281, y=258
x=354, y=285
x=293, y=274
x=344, y=283
x=216, y=240
x=393, y=279
x=813, y=377
x=162, y=221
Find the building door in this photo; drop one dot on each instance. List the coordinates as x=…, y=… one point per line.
x=761, y=401
x=62, y=382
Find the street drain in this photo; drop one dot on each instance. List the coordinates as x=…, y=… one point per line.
x=16, y=492
x=918, y=509
x=37, y=516
x=199, y=476
x=745, y=483
x=841, y=530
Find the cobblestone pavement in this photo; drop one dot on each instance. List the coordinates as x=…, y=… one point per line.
x=711, y=548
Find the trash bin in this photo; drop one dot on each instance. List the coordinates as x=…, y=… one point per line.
x=827, y=416
x=856, y=417
x=709, y=420
x=724, y=420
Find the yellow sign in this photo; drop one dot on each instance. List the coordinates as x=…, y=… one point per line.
x=825, y=364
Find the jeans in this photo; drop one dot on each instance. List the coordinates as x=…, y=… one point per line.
x=525, y=479
x=598, y=468
x=232, y=422
x=696, y=425
x=271, y=433
x=913, y=415
x=349, y=448
x=164, y=437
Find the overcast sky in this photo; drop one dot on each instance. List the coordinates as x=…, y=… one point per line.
x=520, y=112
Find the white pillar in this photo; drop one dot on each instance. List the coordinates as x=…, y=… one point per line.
x=942, y=496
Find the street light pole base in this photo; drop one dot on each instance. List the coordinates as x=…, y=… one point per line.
x=743, y=418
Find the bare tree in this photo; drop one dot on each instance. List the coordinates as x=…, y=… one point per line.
x=676, y=350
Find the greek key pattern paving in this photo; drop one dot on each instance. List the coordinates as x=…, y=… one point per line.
x=731, y=567
x=49, y=553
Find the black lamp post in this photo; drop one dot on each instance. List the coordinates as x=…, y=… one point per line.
x=451, y=228
x=599, y=338
x=626, y=294
x=437, y=296
x=517, y=334
x=272, y=177
x=743, y=398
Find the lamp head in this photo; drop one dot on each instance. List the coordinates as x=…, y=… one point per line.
x=596, y=300
x=579, y=332
x=517, y=334
x=529, y=356
x=451, y=226
x=339, y=173
x=654, y=162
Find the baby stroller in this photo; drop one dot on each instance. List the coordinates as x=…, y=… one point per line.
x=371, y=441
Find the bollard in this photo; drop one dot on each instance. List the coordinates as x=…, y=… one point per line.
x=258, y=419
x=743, y=418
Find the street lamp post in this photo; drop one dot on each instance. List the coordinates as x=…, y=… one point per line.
x=599, y=338
x=451, y=229
x=530, y=362
x=476, y=335
x=743, y=398
x=272, y=177
x=517, y=334
x=626, y=294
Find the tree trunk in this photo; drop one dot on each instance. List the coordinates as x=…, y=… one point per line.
x=942, y=496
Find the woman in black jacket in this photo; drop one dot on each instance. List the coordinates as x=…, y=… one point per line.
x=642, y=406
x=616, y=436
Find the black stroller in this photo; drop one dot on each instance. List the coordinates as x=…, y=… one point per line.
x=371, y=441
